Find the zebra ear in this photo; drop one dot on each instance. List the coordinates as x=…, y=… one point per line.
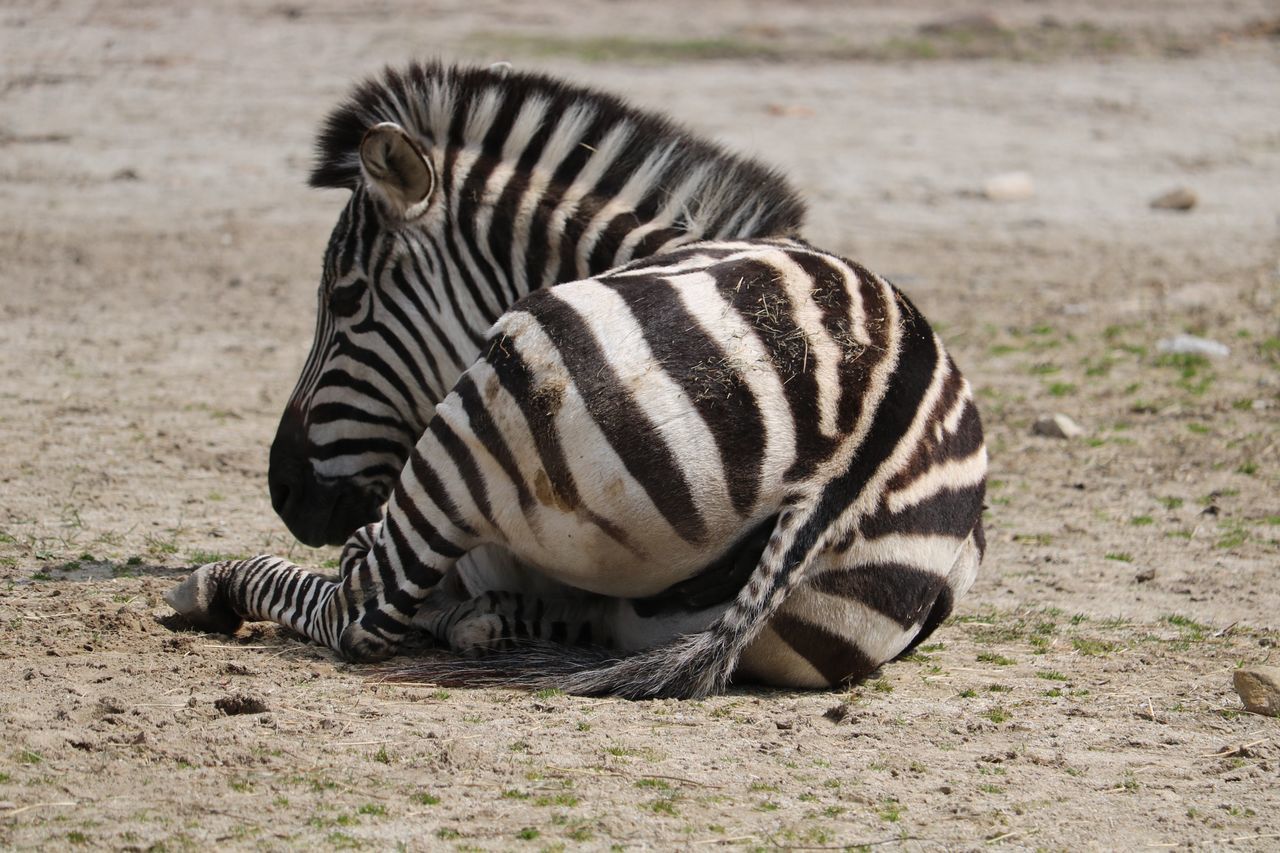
x=398, y=168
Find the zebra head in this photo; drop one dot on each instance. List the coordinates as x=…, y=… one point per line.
x=363, y=398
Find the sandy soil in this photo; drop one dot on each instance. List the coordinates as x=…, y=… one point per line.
x=159, y=257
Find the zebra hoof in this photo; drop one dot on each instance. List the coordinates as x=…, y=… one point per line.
x=200, y=600
x=360, y=646
x=478, y=635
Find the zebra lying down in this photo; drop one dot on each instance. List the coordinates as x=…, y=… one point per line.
x=621, y=434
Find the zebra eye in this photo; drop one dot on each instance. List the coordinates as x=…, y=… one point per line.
x=345, y=300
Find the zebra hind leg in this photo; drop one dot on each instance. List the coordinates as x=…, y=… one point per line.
x=498, y=620
x=700, y=664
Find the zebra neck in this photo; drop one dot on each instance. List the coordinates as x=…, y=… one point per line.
x=521, y=230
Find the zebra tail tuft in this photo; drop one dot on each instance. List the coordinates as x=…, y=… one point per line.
x=531, y=666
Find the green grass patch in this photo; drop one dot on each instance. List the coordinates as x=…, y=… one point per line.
x=1090, y=647
x=664, y=806
x=1186, y=363
x=1232, y=538
x=891, y=810
x=996, y=715
x=996, y=659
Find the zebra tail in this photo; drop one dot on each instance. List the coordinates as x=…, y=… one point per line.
x=688, y=667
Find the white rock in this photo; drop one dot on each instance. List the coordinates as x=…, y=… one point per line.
x=1009, y=186
x=1191, y=345
x=1259, y=689
x=1056, y=426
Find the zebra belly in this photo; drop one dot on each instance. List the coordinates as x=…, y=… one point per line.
x=572, y=549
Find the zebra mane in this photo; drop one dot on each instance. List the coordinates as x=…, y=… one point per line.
x=441, y=103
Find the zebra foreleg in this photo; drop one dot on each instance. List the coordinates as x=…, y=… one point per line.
x=357, y=548
x=221, y=596
x=352, y=616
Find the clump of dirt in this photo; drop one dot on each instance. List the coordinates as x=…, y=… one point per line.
x=240, y=703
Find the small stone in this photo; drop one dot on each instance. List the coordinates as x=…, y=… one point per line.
x=1259, y=689
x=1180, y=198
x=1192, y=345
x=1009, y=186
x=1056, y=426
x=1145, y=575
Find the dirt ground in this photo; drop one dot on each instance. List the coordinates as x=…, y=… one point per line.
x=158, y=258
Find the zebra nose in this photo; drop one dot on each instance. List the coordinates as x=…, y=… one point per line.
x=291, y=483
x=284, y=466
x=280, y=491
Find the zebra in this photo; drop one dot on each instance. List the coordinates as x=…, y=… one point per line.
x=622, y=433
x=471, y=188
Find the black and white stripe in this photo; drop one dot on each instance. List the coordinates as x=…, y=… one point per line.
x=632, y=436
x=469, y=190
